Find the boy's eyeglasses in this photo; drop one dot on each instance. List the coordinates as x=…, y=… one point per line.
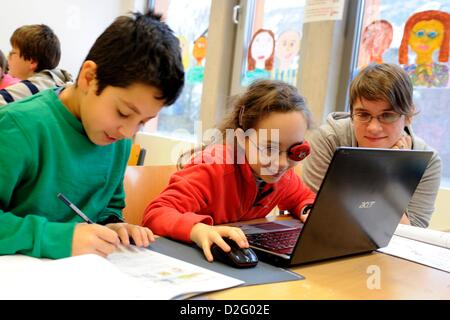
x=11, y=53
x=423, y=33
x=296, y=152
x=385, y=117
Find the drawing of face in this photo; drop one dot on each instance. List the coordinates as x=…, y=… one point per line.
x=199, y=51
x=262, y=48
x=288, y=46
x=184, y=45
x=376, y=39
x=426, y=36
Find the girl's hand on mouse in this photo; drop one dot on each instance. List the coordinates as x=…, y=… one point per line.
x=204, y=236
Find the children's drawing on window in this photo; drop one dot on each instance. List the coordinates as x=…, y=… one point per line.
x=425, y=32
x=196, y=73
x=260, y=56
x=286, y=53
x=376, y=39
x=185, y=53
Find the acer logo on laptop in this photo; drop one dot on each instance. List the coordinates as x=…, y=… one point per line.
x=366, y=204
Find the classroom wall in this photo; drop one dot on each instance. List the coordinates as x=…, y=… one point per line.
x=441, y=216
x=161, y=150
x=77, y=23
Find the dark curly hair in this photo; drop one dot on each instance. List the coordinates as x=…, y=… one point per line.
x=139, y=48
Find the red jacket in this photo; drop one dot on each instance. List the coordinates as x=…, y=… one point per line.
x=215, y=193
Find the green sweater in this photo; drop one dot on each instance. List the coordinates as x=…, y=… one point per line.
x=44, y=150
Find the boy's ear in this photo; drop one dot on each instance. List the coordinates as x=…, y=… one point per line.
x=88, y=73
x=33, y=65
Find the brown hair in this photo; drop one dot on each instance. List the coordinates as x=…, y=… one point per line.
x=3, y=65
x=37, y=42
x=423, y=16
x=384, y=82
x=260, y=99
x=269, y=61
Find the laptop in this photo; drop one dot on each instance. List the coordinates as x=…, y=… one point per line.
x=357, y=209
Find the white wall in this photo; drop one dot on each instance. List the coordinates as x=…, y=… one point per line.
x=77, y=23
x=161, y=150
x=441, y=216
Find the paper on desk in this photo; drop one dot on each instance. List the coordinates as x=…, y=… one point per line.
x=170, y=277
x=430, y=236
x=127, y=274
x=81, y=277
x=420, y=252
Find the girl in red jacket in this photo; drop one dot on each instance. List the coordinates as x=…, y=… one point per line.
x=243, y=174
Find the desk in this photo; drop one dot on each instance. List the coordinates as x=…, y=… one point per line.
x=347, y=278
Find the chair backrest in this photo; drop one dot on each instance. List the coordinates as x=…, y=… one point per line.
x=142, y=184
x=134, y=154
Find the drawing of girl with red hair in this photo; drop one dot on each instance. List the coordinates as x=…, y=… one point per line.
x=426, y=32
x=260, y=56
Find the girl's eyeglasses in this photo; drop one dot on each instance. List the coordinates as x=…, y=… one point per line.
x=385, y=117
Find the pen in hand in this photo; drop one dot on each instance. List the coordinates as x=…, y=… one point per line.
x=80, y=213
x=74, y=208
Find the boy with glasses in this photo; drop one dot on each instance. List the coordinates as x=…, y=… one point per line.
x=34, y=58
x=381, y=113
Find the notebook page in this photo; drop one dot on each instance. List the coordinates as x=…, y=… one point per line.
x=170, y=277
x=430, y=236
x=81, y=277
x=128, y=273
x=420, y=252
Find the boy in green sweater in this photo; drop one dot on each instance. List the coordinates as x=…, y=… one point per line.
x=75, y=141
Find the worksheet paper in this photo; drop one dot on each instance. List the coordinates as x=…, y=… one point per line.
x=425, y=246
x=128, y=273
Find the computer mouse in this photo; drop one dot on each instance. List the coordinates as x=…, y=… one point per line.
x=237, y=257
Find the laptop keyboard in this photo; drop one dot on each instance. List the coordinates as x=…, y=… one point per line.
x=279, y=241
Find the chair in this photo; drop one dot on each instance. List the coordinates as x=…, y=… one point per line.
x=142, y=184
x=137, y=155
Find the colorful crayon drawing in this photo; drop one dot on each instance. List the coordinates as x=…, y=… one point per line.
x=286, y=53
x=185, y=54
x=195, y=74
x=260, y=56
x=376, y=39
x=426, y=32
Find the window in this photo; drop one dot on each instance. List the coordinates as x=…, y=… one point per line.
x=189, y=21
x=271, y=44
x=382, y=31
